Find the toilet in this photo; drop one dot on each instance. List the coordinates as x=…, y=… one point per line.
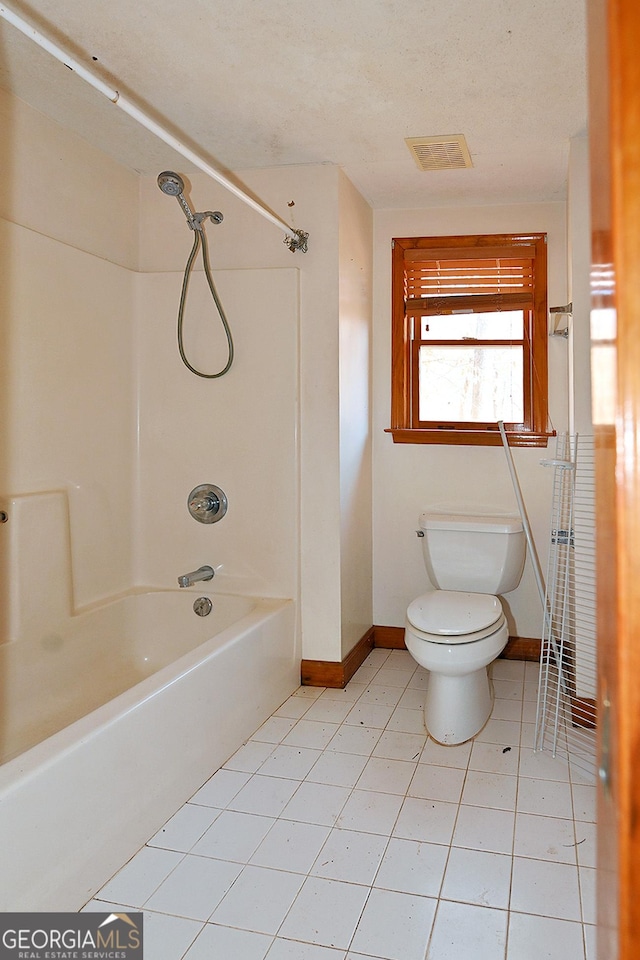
x=456, y=630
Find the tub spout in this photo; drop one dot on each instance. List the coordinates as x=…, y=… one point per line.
x=202, y=573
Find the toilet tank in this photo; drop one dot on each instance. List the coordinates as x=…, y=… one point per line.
x=479, y=554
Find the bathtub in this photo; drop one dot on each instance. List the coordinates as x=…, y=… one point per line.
x=114, y=721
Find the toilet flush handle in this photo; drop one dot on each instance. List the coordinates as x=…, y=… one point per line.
x=419, y=533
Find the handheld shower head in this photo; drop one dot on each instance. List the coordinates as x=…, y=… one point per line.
x=170, y=183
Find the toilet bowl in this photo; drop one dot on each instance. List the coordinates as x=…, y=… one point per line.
x=459, y=698
x=456, y=630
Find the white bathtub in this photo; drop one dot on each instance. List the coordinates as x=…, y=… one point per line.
x=139, y=701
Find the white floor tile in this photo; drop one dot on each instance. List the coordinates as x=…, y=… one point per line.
x=366, y=674
x=319, y=803
x=493, y=758
x=311, y=733
x=387, y=776
x=531, y=690
x=331, y=834
x=220, y=788
x=291, y=763
x=462, y=930
x=546, y=888
x=337, y=769
x=294, y=708
x=503, y=669
x=548, y=797
x=437, y=754
x=250, y=757
x=395, y=926
x=325, y=912
x=543, y=766
x=138, y=879
x=166, y=937
x=584, y=802
x=370, y=812
x=394, y=745
x=508, y=689
x=355, y=739
x=586, y=843
x=409, y=866
x=420, y=679
x=543, y=938
x=506, y=710
x=437, y=783
x=481, y=828
x=427, y=820
x=265, y=796
x=294, y=950
x=545, y=838
x=348, y=694
x=328, y=711
x=309, y=693
x=259, y=900
x=195, y=887
x=275, y=729
x=474, y=876
x=291, y=845
x=588, y=894
x=351, y=856
x=413, y=699
x=395, y=676
x=505, y=733
x=216, y=941
x=233, y=836
x=377, y=657
x=184, y=828
x=496, y=790
x=407, y=721
x=374, y=715
x=590, y=937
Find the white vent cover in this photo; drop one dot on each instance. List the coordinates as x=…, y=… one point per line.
x=440, y=153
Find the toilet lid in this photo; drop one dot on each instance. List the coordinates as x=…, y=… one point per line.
x=448, y=613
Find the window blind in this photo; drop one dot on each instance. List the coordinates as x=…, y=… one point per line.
x=468, y=278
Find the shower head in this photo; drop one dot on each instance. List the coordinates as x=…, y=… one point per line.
x=170, y=183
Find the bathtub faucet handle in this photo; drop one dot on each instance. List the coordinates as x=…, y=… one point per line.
x=202, y=573
x=207, y=503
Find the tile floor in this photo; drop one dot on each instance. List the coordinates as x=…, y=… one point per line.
x=339, y=831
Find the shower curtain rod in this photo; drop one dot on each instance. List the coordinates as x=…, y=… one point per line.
x=295, y=239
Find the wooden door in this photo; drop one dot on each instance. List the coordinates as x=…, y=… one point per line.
x=614, y=96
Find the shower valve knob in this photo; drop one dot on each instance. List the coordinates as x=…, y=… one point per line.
x=207, y=503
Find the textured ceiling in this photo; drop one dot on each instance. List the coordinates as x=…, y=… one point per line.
x=261, y=83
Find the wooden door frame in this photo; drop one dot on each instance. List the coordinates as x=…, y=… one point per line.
x=614, y=99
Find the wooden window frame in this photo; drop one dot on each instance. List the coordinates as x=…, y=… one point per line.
x=405, y=427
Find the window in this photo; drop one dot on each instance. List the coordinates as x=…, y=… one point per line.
x=469, y=339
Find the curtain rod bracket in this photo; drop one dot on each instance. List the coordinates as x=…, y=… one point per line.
x=299, y=241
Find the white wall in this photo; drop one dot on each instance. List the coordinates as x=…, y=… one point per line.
x=579, y=237
x=238, y=432
x=355, y=295
x=408, y=478
x=333, y=278
x=68, y=245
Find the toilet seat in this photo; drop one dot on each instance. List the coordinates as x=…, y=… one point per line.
x=447, y=616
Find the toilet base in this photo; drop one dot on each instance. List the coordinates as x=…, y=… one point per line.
x=457, y=708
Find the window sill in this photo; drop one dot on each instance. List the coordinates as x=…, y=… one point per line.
x=483, y=438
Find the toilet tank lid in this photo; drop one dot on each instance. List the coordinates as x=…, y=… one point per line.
x=449, y=613
x=474, y=523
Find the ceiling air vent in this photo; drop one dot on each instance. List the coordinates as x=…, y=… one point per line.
x=440, y=153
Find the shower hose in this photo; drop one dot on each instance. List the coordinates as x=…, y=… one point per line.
x=200, y=239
